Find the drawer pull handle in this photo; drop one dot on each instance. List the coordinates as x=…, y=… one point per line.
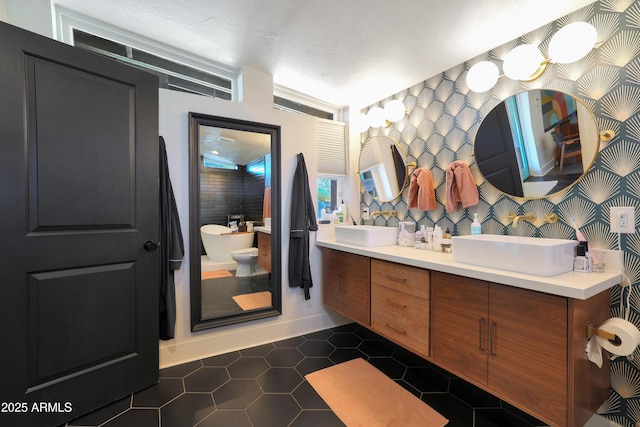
x=395, y=304
x=492, y=332
x=396, y=279
x=396, y=329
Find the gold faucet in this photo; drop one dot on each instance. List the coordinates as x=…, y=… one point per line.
x=374, y=214
x=531, y=217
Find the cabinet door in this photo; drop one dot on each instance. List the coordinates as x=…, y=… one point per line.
x=528, y=350
x=346, y=284
x=332, y=280
x=459, y=322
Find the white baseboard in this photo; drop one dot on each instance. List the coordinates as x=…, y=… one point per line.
x=237, y=337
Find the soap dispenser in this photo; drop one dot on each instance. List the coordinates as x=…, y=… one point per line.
x=476, y=227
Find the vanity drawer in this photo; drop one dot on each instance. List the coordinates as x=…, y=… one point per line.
x=404, y=278
x=401, y=317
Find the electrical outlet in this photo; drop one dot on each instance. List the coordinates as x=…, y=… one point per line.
x=365, y=214
x=622, y=220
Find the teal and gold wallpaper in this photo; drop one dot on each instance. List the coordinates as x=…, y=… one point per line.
x=443, y=119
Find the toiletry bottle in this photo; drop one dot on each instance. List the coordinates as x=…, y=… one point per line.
x=476, y=227
x=447, y=234
x=343, y=209
x=418, y=236
x=437, y=238
x=428, y=239
x=581, y=261
x=423, y=238
x=340, y=217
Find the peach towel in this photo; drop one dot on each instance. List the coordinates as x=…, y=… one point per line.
x=422, y=194
x=461, y=186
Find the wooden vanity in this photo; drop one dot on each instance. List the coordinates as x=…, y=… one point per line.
x=524, y=346
x=264, y=248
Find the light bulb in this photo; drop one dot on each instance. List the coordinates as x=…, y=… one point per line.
x=482, y=76
x=572, y=42
x=376, y=117
x=523, y=63
x=394, y=110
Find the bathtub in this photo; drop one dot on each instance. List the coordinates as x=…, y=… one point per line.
x=218, y=246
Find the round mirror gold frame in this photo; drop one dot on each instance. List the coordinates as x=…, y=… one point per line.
x=536, y=143
x=383, y=168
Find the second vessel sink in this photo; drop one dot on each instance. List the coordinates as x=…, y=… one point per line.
x=531, y=255
x=366, y=235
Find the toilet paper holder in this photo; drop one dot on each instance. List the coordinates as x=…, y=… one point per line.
x=591, y=331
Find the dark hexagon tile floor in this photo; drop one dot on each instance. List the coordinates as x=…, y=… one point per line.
x=264, y=386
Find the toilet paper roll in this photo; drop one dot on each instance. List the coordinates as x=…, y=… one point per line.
x=627, y=332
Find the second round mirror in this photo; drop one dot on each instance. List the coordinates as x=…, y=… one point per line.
x=383, y=168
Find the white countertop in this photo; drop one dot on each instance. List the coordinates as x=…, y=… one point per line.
x=263, y=229
x=572, y=285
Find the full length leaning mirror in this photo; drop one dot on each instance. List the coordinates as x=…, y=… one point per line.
x=234, y=227
x=536, y=143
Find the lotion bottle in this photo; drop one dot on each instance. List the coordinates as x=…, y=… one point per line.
x=476, y=227
x=437, y=238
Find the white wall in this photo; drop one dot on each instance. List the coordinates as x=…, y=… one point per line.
x=298, y=135
x=255, y=94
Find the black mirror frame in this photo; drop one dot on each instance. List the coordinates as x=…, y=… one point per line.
x=195, y=120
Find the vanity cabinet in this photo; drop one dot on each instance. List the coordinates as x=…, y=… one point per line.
x=400, y=304
x=523, y=346
x=346, y=284
x=264, y=250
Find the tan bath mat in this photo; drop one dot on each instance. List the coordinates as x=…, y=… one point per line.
x=216, y=274
x=254, y=300
x=362, y=396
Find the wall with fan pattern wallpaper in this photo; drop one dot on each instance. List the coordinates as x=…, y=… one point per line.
x=444, y=118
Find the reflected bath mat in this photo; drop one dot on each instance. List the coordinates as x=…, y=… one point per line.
x=254, y=300
x=362, y=396
x=538, y=189
x=216, y=274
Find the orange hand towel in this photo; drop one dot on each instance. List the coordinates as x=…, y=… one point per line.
x=461, y=186
x=422, y=194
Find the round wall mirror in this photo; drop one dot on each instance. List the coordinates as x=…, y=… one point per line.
x=383, y=168
x=536, y=143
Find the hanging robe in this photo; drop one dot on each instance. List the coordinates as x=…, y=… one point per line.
x=171, y=248
x=303, y=220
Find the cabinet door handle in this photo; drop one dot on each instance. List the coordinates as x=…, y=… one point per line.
x=481, y=334
x=492, y=332
x=394, y=328
x=395, y=304
x=396, y=279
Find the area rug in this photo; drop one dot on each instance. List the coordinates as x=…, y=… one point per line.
x=254, y=300
x=361, y=395
x=538, y=188
x=216, y=274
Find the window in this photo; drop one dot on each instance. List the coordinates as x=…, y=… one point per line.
x=177, y=70
x=172, y=75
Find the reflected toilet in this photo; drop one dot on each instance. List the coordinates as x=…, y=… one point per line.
x=247, y=260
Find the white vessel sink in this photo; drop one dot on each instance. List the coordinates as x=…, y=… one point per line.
x=366, y=235
x=531, y=255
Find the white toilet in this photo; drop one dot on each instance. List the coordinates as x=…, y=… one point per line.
x=247, y=261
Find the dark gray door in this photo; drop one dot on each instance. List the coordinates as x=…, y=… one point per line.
x=78, y=201
x=496, y=153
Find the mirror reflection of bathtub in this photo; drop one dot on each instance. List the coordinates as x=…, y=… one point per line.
x=227, y=250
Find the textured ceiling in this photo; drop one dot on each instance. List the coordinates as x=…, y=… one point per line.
x=344, y=52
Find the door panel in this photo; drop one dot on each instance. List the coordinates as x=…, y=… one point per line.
x=98, y=188
x=459, y=323
x=528, y=360
x=79, y=185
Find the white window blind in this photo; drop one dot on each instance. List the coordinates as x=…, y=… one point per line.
x=332, y=147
